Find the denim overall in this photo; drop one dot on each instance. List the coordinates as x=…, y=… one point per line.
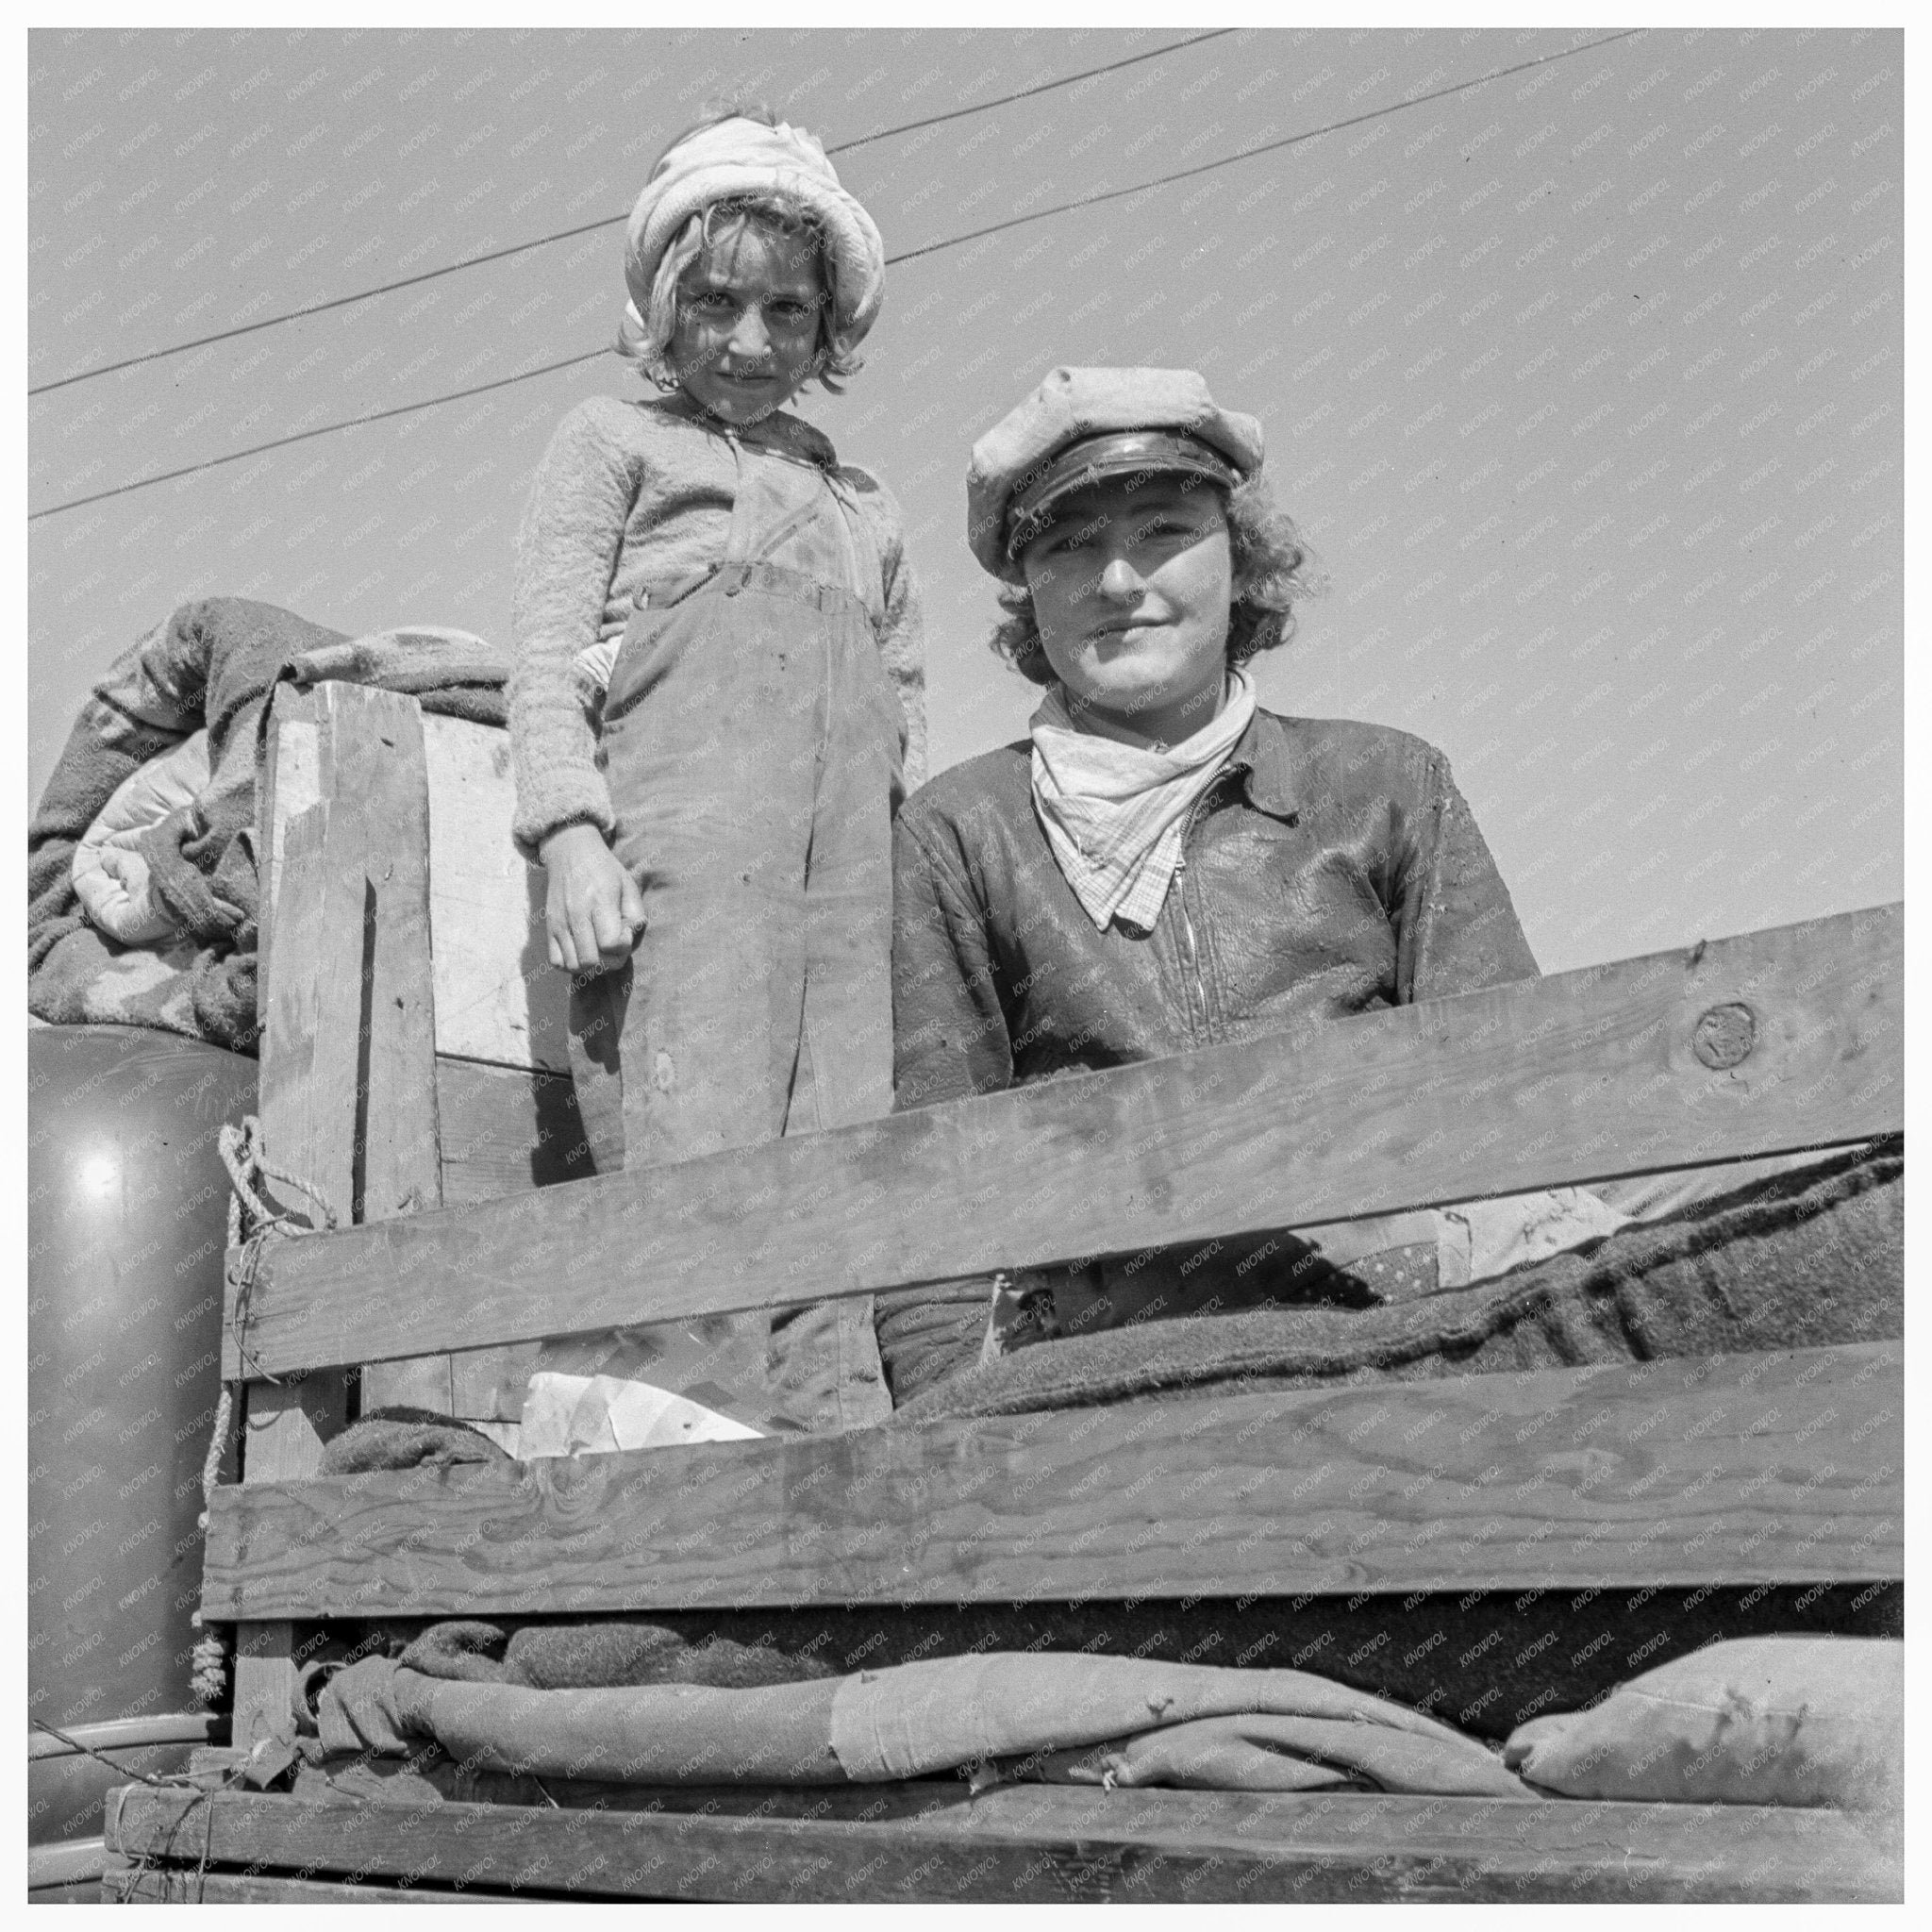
x=751, y=740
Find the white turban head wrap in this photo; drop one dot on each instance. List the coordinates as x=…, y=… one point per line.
x=742, y=158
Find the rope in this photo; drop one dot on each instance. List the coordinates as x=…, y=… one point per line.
x=172, y=1782
x=128, y=1880
x=253, y=1225
x=245, y=1158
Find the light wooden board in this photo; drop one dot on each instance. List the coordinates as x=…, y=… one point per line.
x=1584, y=1074
x=1722, y=1469
x=348, y=1080
x=1056, y=1844
x=400, y=1125
x=497, y=996
x=308, y=1113
x=506, y=1130
x=126, y=1884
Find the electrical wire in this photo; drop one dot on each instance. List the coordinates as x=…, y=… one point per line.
x=1026, y=94
x=431, y=275
x=910, y=255
x=1267, y=148
x=249, y=328
x=321, y=429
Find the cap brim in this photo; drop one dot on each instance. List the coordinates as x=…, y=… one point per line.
x=1103, y=459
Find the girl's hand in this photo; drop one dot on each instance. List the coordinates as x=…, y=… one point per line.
x=593, y=910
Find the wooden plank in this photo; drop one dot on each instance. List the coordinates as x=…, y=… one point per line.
x=348, y=1088
x=284, y=1426
x=497, y=996
x=1590, y=1073
x=348, y=1072
x=382, y=756
x=312, y=948
x=1021, y=1843
x=506, y=1130
x=127, y=1884
x=1722, y=1469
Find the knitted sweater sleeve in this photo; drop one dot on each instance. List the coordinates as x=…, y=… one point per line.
x=567, y=551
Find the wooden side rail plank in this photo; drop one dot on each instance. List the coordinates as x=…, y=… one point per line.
x=498, y=998
x=504, y=1130
x=348, y=1094
x=1785, y=1038
x=1042, y=1842
x=127, y=1884
x=307, y=1105
x=1722, y=1469
x=399, y=1126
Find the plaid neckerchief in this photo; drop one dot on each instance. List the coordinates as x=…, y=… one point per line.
x=1114, y=813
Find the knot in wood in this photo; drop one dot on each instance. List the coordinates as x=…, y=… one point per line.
x=1724, y=1035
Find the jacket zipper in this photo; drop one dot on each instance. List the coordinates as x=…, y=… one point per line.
x=1195, y=984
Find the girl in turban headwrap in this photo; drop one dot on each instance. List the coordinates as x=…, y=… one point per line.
x=717, y=701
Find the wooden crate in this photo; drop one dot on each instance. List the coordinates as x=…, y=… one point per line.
x=1708, y=1473
x=928, y=1841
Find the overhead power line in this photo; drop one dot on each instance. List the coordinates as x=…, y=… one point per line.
x=1266, y=147
x=249, y=328
x=467, y=262
x=1026, y=94
x=910, y=255
x=456, y=395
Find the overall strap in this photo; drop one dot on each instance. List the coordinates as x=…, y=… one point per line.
x=867, y=579
x=787, y=513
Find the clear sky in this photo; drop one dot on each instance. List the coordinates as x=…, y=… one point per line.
x=1586, y=383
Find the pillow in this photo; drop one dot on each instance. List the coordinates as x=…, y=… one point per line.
x=1749, y=1721
x=109, y=875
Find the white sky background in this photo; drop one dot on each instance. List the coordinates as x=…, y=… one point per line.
x=1586, y=383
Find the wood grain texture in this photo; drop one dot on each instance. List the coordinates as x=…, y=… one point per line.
x=399, y=1128
x=1581, y=1075
x=289, y=784
x=497, y=996
x=1023, y=1844
x=368, y=1008
x=348, y=1080
x=306, y=1099
x=127, y=1884
x=504, y=1130
x=1731, y=1469
x=313, y=950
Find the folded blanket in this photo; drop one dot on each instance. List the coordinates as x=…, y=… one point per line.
x=939, y=1329
x=1012, y=1713
x=599, y=1652
x=399, y=1437
x=1814, y=1258
x=1763, y=1721
x=109, y=874
x=212, y=664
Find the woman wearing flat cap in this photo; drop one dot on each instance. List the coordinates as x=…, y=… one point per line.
x=1163, y=865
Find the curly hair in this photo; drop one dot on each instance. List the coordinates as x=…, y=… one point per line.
x=719, y=222
x=1274, y=569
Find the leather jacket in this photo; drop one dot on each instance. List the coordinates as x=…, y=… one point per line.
x=1333, y=869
